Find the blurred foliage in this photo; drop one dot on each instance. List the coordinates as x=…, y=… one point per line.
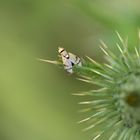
x=36, y=101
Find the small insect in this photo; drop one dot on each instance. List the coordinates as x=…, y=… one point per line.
x=69, y=60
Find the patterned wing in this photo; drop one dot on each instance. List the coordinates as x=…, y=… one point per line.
x=75, y=59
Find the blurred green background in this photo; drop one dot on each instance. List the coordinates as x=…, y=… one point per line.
x=35, y=97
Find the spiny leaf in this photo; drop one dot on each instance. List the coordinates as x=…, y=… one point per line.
x=116, y=80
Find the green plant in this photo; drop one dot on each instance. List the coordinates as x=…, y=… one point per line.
x=115, y=106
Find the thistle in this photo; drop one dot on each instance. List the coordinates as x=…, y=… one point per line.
x=114, y=107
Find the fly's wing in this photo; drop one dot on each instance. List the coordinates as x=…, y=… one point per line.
x=67, y=64
x=75, y=59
